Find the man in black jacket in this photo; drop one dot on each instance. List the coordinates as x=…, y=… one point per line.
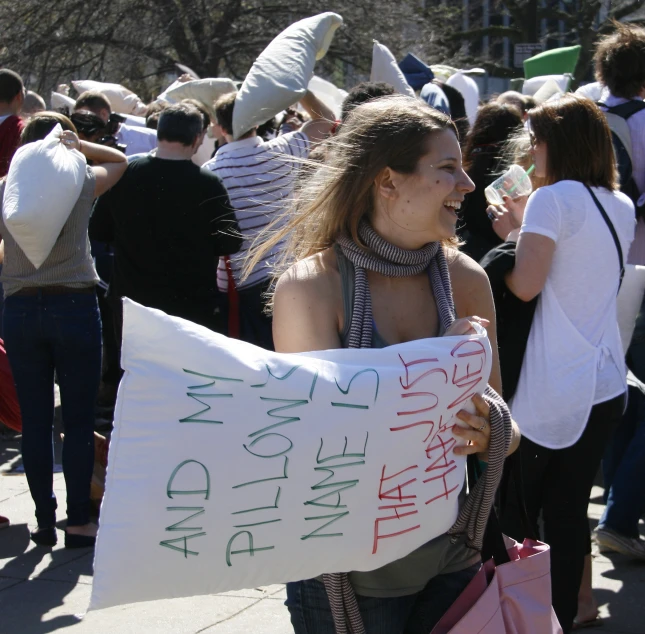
x=169, y=221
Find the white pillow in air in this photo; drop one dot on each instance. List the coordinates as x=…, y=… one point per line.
x=59, y=101
x=280, y=75
x=206, y=91
x=328, y=93
x=122, y=99
x=531, y=86
x=385, y=68
x=469, y=90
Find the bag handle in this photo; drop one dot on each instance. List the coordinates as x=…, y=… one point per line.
x=614, y=235
x=493, y=546
x=514, y=467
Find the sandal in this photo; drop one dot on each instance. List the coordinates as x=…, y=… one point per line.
x=581, y=625
x=79, y=541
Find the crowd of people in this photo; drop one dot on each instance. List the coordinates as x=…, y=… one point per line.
x=312, y=233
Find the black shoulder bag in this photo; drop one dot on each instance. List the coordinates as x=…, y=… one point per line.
x=614, y=235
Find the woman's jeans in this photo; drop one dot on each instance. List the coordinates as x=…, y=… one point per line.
x=413, y=614
x=62, y=333
x=558, y=482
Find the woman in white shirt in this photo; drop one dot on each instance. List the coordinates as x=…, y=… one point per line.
x=575, y=235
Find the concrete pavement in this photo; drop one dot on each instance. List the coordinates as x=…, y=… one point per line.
x=45, y=590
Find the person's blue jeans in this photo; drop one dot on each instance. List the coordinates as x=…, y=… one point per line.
x=623, y=469
x=636, y=351
x=61, y=333
x=413, y=614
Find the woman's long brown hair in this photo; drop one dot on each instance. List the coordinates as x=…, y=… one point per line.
x=578, y=141
x=333, y=197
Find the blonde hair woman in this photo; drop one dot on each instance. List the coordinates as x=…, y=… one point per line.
x=373, y=262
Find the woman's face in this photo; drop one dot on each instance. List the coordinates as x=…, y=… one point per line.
x=422, y=207
x=538, y=152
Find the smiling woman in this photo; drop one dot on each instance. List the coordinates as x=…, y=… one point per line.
x=371, y=260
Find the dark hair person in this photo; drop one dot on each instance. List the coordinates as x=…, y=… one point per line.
x=494, y=125
x=387, y=194
x=571, y=388
x=12, y=96
x=362, y=93
x=52, y=325
x=181, y=123
x=620, y=61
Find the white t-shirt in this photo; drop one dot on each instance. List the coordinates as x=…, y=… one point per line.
x=259, y=177
x=584, y=274
x=574, y=357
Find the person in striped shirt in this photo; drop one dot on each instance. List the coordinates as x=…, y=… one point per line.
x=259, y=177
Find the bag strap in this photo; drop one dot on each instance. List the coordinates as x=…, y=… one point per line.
x=514, y=467
x=614, y=235
x=493, y=546
x=625, y=110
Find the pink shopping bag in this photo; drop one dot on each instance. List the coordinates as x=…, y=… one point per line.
x=510, y=598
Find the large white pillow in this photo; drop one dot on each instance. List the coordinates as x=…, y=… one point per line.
x=206, y=91
x=531, y=86
x=630, y=298
x=385, y=68
x=35, y=214
x=329, y=94
x=280, y=75
x=469, y=90
x=205, y=151
x=58, y=101
x=122, y=99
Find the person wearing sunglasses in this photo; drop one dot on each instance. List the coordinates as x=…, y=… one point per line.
x=571, y=250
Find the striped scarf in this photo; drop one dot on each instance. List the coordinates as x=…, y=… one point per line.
x=387, y=259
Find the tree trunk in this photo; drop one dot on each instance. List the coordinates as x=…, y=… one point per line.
x=532, y=25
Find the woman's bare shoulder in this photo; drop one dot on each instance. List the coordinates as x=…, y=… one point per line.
x=307, y=305
x=463, y=269
x=314, y=281
x=470, y=284
x=314, y=274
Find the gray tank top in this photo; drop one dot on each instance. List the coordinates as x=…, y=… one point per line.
x=70, y=261
x=439, y=556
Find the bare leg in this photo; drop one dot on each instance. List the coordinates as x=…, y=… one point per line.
x=587, y=606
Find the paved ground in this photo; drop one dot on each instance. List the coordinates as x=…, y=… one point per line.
x=44, y=590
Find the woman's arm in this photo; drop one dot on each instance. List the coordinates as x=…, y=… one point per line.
x=473, y=296
x=533, y=259
x=110, y=164
x=536, y=244
x=304, y=315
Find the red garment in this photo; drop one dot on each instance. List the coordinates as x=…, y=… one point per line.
x=10, y=130
x=9, y=407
